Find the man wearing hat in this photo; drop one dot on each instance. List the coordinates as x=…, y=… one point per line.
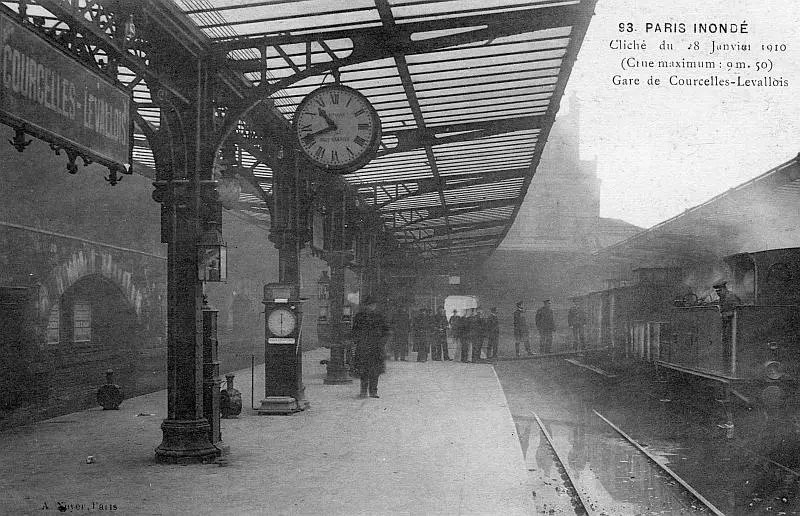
x=521, y=329
x=369, y=333
x=546, y=326
x=728, y=301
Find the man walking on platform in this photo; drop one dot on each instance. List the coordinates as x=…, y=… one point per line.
x=521, y=335
x=546, y=326
x=492, y=334
x=369, y=333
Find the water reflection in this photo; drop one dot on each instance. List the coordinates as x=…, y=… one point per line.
x=612, y=475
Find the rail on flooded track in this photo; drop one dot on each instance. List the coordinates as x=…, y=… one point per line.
x=664, y=467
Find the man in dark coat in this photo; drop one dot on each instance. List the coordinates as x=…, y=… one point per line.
x=492, y=334
x=728, y=301
x=546, y=325
x=521, y=335
x=369, y=333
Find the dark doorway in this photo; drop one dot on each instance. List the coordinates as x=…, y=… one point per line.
x=98, y=331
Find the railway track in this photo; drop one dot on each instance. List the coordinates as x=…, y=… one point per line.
x=581, y=497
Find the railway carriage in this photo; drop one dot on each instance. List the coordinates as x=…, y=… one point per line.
x=626, y=316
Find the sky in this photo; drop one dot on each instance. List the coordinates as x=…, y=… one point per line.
x=663, y=149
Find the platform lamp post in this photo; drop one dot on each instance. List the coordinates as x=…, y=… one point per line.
x=212, y=256
x=212, y=266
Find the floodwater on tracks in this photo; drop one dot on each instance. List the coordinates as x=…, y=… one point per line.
x=735, y=475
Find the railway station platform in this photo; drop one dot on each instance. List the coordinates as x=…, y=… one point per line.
x=439, y=440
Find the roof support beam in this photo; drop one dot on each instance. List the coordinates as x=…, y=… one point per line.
x=485, y=27
x=387, y=18
x=436, y=212
x=429, y=186
x=422, y=137
x=104, y=27
x=466, y=228
x=389, y=40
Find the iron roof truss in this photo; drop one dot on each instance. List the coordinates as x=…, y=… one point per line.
x=466, y=92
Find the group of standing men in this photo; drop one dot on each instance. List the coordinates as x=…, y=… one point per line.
x=428, y=332
x=469, y=333
x=474, y=329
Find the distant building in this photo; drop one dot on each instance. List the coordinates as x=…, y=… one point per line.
x=561, y=211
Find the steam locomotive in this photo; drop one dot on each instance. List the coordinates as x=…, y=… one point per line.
x=661, y=319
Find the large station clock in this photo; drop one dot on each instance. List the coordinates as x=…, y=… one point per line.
x=337, y=129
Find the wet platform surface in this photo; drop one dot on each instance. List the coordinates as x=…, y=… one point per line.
x=439, y=440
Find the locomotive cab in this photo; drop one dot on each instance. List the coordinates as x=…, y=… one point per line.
x=758, y=345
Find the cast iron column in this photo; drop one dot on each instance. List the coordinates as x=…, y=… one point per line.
x=185, y=431
x=182, y=161
x=284, y=234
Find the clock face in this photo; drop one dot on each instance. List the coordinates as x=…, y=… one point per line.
x=281, y=322
x=337, y=128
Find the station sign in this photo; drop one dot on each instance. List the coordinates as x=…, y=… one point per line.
x=51, y=95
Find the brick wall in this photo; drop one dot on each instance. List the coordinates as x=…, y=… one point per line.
x=72, y=245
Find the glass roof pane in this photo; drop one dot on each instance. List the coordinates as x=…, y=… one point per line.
x=476, y=95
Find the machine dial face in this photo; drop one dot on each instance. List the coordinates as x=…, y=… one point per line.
x=337, y=129
x=281, y=322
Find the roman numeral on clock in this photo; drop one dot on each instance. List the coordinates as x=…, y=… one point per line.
x=359, y=141
x=363, y=127
x=308, y=139
x=319, y=153
x=360, y=112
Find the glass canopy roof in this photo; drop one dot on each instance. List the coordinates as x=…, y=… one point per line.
x=467, y=91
